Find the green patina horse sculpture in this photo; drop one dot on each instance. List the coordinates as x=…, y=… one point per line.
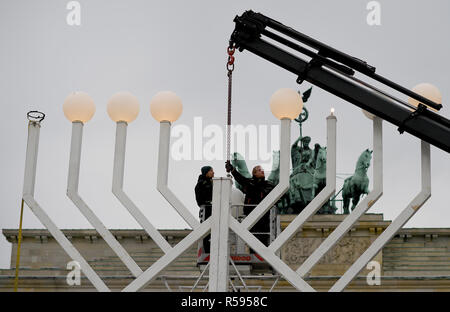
x=358, y=183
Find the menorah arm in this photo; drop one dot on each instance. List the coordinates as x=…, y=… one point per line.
x=395, y=226
x=72, y=193
x=343, y=228
x=162, y=176
x=28, y=197
x=117, y=189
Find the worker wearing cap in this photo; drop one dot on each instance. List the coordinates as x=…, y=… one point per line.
x=203, y=196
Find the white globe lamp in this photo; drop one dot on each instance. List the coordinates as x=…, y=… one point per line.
x=79, y=106
x=166, y=106
x=123, y=106
x=286, y=103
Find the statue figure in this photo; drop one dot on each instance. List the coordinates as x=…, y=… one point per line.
x=302, y=156
x=358, y=183
x=301, y=179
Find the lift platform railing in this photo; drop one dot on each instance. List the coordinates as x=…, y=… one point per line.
x=240, y=252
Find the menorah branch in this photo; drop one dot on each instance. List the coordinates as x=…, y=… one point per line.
x=163, y=173
x=117, y=189
x=72, y=193
x=343, y=228
x=28, y=196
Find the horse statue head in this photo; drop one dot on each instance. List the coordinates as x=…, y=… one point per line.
x=363, y=162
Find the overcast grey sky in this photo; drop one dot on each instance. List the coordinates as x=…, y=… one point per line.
x=148, y=46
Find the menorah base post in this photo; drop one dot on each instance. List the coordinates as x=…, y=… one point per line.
x=219, y=260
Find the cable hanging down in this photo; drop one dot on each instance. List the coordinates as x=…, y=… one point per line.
x=230, y=68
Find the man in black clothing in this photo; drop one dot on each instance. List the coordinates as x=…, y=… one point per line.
x=203, y=196
x=255, y=189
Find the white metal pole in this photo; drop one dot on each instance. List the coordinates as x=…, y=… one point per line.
x=395, y=226
x=322, y=197
x=343, y=228
x=162, y=176
x=117, y=189
x=283, y=184
x=219, y=254
x=31, y=157
x=28, y=193
x=72, y=193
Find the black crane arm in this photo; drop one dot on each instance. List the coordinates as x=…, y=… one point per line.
x=334, y=71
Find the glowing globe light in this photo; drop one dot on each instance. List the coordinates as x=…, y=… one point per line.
x=123, y=106
x=166, y=106
x=428, y=91
x=286, y=103
x=79, y=106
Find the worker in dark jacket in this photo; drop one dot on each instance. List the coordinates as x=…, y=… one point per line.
x=203, y=196
x=255, y=189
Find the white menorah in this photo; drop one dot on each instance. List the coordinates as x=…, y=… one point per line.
x=166, y=107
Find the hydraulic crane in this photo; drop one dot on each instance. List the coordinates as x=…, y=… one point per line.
x=334, y=71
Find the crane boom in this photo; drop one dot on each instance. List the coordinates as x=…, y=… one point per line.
x=334, y=72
